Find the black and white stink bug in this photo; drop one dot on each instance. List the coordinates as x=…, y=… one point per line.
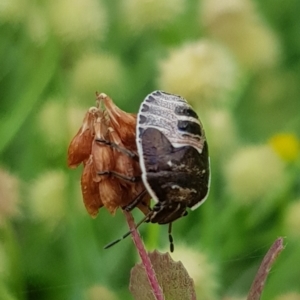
x=173, y=156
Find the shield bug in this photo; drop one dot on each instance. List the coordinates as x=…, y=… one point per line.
x=173, y=156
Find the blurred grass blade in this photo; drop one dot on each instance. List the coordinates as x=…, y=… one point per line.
x=21, y=109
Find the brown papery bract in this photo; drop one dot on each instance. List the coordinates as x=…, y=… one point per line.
x=90, y=189
x=111, y=193
x=91, y=146
x=123, y=162
x=102, y=153
x=124, y=123
x=81, y=145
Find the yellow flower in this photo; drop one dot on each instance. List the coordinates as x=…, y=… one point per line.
x=286, y=145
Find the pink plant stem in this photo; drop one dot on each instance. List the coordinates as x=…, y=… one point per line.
x=157, y=291
x=264, y=269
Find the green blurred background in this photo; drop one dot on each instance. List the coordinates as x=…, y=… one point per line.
x=236, y=61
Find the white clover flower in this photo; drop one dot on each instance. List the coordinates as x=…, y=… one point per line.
x=47, y=198
x=97, y=72
x=53, y=114
x=234, y=298
x=150, y=14
x=37, y=25
x=220, y=130
x=52, y=123
x=200, y=269
x=13, y=11
x=292, y=219
x=9, y=196
x=289, y=296
x=201, y=71
x=100, y=292
x=239, y=26
x=253, y=173
x=77, y=20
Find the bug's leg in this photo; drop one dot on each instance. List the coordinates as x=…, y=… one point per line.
x=131, y=154
x=121, y=176
x=171, y=238
x=127, y=233
x=138, y=199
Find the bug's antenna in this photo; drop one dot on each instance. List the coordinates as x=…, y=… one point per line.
x=171, y=237
x=127, y=233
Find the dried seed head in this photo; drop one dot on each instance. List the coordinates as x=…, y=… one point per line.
x=90, y=189
x=124, y=123
x=81, y=145
x=90, y=146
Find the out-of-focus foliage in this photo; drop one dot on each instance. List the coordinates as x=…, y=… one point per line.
x=236, y=61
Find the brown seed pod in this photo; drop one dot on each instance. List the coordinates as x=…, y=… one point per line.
x=90, y=189
x=124, y=123
x=91, y=146
x=110, y=193
x=123, y=162
x=102, y=154
x=81, y=145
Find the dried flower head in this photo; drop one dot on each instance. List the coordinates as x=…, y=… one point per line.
x=102, y=144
